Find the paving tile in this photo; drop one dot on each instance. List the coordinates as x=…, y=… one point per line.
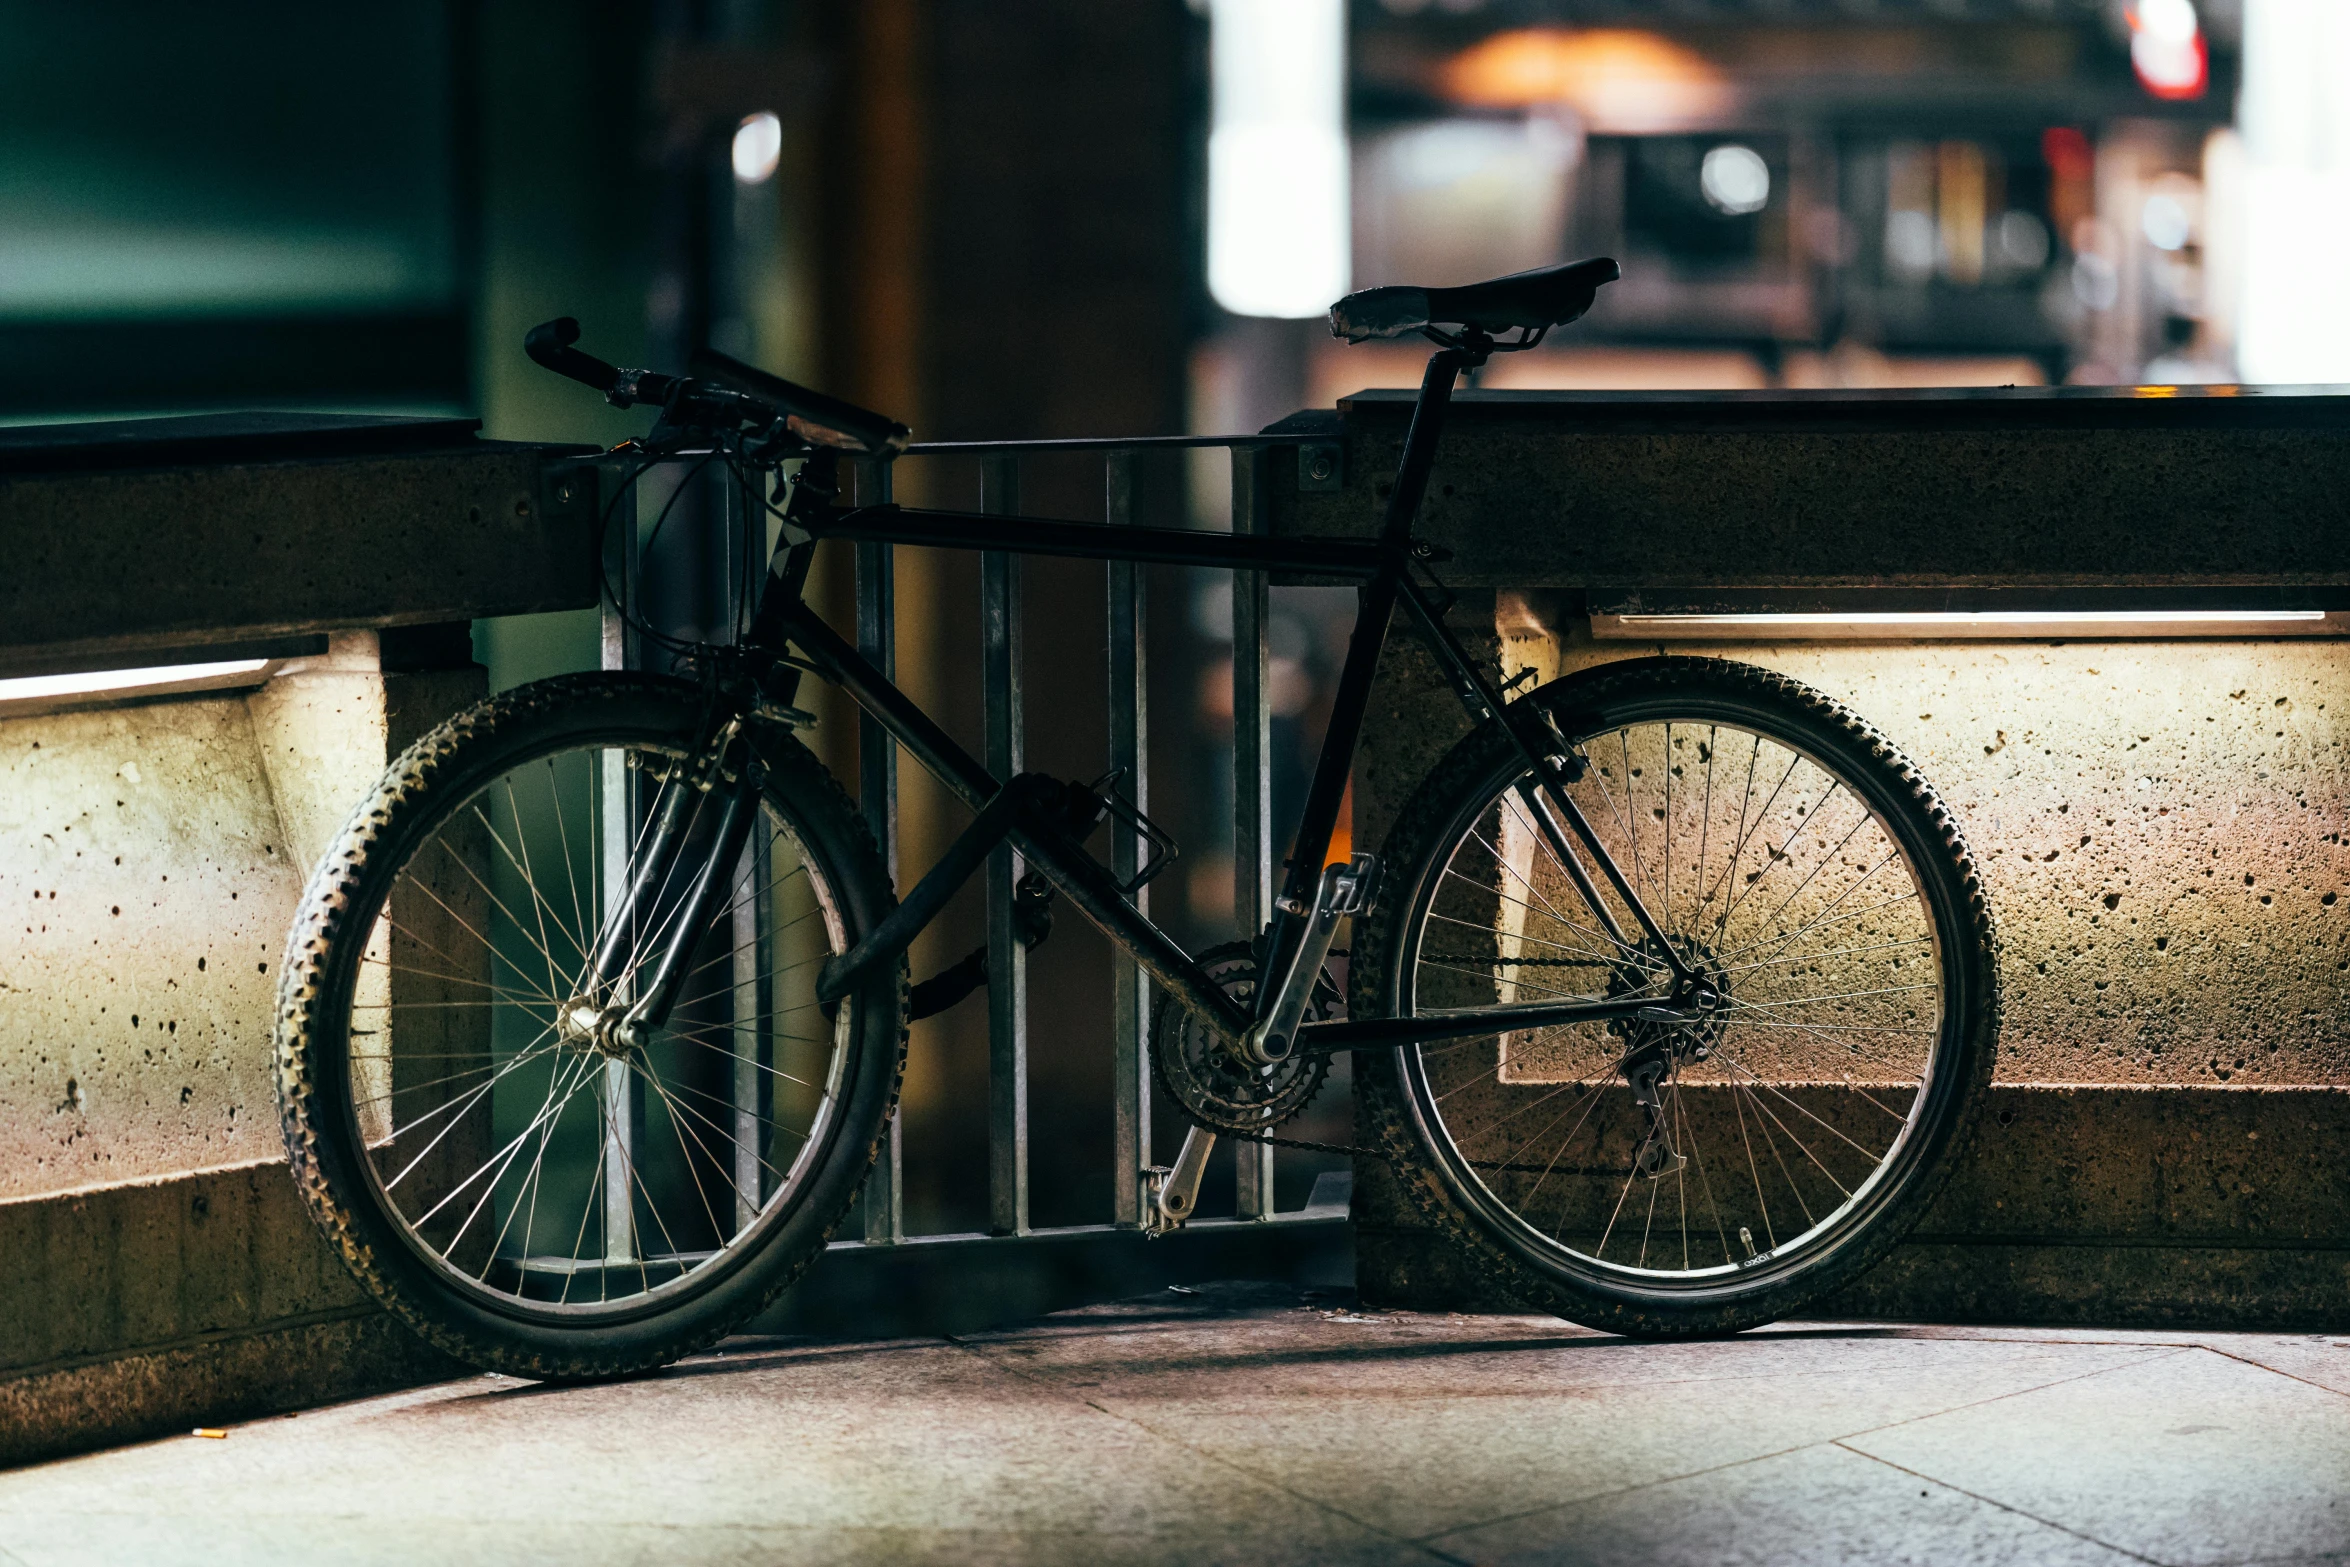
x=2319, y=1358
x=2196, y=1459
x=897, y=1444
x=1416, y=1426
x=1820, y=1505
x=1255, y=1425
x=407, y=1542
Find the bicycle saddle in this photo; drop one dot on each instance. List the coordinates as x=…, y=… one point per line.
x=1529, y=301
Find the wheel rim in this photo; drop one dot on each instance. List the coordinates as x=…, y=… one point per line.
x=524, y=1156
x=1780, y=1126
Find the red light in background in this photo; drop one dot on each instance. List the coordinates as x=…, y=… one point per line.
x=2167, y=48
x=2067, y=152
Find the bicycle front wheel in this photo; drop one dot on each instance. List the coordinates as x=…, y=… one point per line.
x=1683, y=1177
x=530, y=1194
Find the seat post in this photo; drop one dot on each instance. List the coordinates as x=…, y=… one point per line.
x=1419, y=442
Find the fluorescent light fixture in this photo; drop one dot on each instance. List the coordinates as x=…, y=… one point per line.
x=161, y=680
x=1278, y=233
x=1937, y=624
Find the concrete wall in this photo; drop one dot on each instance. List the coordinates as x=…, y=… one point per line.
x=151, y=855
x=2161, y=826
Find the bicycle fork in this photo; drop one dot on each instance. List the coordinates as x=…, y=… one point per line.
x=622, y=1005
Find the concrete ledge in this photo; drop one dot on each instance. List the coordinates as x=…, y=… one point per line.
x=127, y=539
x=2117, y=1206
x=210, y=1380
x=131, y=1310
x=2105, y=1283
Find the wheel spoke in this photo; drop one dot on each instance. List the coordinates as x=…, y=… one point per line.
x=1773, y=879
x=494, y=1119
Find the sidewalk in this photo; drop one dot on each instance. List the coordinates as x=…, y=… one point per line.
x=1254, y=1424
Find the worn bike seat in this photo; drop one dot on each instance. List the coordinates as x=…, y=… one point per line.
x=1530, y=301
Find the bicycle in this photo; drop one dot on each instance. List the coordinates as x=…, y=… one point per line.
x=1672, y=990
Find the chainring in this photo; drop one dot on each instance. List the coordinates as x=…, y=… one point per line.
x=1215, y=1088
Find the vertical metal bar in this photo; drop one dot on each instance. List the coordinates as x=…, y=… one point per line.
x=1252, y=775
x=877, y=799
x=749, y=911
x=750, y=1026
x=616, y=821
x=1130, y=1137
x=617, y=643
x=1007, y=960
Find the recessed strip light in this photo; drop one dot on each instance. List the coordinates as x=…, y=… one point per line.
x=1954, y=623
x=109, y=682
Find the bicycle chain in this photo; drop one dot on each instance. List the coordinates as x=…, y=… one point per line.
x=1385, y=1157
x=1301, y=1142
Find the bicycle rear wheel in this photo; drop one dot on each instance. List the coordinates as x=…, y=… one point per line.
x=526, y=1193
x=1789, y=853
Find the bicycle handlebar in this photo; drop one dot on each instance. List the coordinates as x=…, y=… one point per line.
x=549, y=344
x=816, y=417
x=726, y=392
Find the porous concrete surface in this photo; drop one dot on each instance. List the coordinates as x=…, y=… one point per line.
x=1249, y=1423
x=145, y=558
x=1534, y=491
x=2160, y=827
x=149, y=888
x=151, y=855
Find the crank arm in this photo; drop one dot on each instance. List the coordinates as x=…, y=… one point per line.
x=1344, y=890
x=1174, y=1193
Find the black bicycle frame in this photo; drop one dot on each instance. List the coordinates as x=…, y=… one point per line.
x=1383, y=569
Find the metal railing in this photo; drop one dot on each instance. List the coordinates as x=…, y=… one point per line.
x=1003, y=686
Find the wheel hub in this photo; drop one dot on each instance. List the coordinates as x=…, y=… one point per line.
x=584, y=1025
x=1691, y=1037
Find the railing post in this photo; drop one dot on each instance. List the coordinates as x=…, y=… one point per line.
x=1007, y=960
x=1252, y=781
x=616, y=643
x=1130, y=1136
x=616, y=827
x=877, y=801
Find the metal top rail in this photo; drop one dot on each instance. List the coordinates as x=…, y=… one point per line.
x=1107, y=443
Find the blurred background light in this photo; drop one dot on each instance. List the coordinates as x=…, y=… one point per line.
x=758, y=148
x=1278, y=231
x=2164, y=219
x=1735, y=179
x=2295, y=117
x=1615, y=79
x=2167, y=48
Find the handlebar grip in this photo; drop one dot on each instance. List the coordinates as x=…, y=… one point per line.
x=549, y=344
